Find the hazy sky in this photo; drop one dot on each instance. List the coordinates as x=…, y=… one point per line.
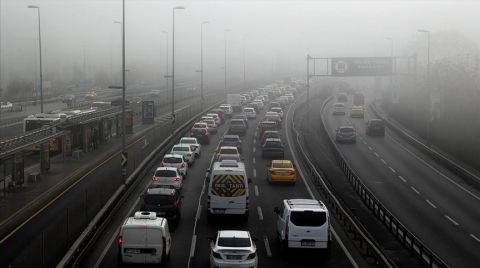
x=276, y=33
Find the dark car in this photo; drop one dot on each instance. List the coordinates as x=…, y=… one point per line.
x=232, y=140
x=266, y=125
x=341, y=97
x=237, y=126
x=346, y=134
x=166, y=202
x=273, y=148
x=375, y=127
x=241, y=116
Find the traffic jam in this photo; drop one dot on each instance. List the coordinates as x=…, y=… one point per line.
x=300, y=223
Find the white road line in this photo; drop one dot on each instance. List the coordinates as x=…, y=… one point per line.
x=254, y=141
x=383, y=161
x=254, y=173
x=451, y=220
x=349, y=256
x=400, y=177
x=430, y=203
x=375, y=153
x=370, y=148
x=267, y=246
x=364, y=142
x=254, y=149
x=199, y=212
x=115, y=234
x=257, y=193
x=255, y=135
x=474, y=237
x=253, y=160
x=192, y=247
x=392, y=170
x=415, y=190
x=437, y=171
x=260, y=214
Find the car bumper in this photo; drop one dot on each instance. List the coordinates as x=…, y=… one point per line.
x=282, y=178
x=298, y=244
x=177, y=186
x=223, y=263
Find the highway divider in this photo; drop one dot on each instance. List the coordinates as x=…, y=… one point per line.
x=416, y=247
x=440, y=158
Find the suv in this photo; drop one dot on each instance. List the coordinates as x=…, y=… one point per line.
x=144, y=238
x=273, y=147
x=237, y=126
x=375, y=127
x=163, y=201
x=303, y=223
x=200, y=131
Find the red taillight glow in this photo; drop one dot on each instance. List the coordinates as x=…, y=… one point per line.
x=177, y=178
x=120, y=240
x=154, y=178
x=175, y=205
x=251, y=256
x=216, y=255
x=183, y=165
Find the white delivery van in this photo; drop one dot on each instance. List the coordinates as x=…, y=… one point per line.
x=228, y=189
x=303, y=223
x=144, y=238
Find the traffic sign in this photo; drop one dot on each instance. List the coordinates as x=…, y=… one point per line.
x=124, y=160
x=361, y=66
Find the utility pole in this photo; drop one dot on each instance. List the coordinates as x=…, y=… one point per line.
x=202, y=100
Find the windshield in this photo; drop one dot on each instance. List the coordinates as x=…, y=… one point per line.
x=347, y=130
x=308, y=218
x=188, y=141
x=228, y=151
x=165, y=173
x=230, y=140
x=172, y=160
x=181, y=149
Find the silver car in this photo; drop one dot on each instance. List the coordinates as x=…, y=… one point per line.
x=346, y=134
x=194, y=145
x=177, y=161
x=185, y=150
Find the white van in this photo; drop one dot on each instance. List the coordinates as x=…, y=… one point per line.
x=303, y=223
x=228, y=189
x=144, y=238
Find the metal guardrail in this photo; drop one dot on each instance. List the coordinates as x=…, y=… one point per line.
x=30, y=138
x=448, y=163
x=414, y=245
x=369, y=249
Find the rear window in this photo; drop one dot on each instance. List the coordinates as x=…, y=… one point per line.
x=165, y=173
x=347, y=130
x=188, y=141
x=172, y=160
x=273, y=144
x=233, y=242
x=228, y=151
x=308, y=218
x=237, y=122
x=181, y=149
x=248, y=110
x=230, y=139
x=282, y=165
x=156, y=199
x=229, y=157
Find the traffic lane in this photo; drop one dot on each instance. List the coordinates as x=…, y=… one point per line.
x=262, y=220
x=405, y=201
x=181, y=236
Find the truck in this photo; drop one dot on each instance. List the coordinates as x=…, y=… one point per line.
x=235, y=100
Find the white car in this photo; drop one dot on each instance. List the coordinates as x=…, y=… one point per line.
x=197, y=148
x=232, y=248
x=260, y=104
x=167, y=176
x=250, y=112
x=278, y=110
x=216, y=118
x=185, y=150
x=177, y=161
x=6, y=105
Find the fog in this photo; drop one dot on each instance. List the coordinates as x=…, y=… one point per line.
x=81, y=42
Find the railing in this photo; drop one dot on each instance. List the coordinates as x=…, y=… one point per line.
x=9, y=146
x=403, y=235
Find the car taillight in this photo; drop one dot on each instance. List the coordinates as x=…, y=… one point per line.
x=175, y=205
x=154, y=178
x=183, y=165
x=251, y=256
x=120, y=240
x=216, y=255
x=177, y=178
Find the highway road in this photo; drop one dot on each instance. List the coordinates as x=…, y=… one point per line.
x=190, y=239
x=432, y=202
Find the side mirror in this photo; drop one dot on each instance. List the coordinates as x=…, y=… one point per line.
x=276, y=210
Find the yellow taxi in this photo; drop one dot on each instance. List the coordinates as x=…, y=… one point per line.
x=282, y=171
x=357, y=111
x=228, y=151
x=91, y=95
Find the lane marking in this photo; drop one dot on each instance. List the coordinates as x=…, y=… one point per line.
x=267, y=246
x=344, y=248
x=260, y=214
x=192, y=247
x=370, y=148
x=199, y=212
x=254, y=141
x=430, y=203
x=254, y=173
x=383, y=161
x=415, y=190
x=474, y=237
x=253, y=149
x=392, y=170
x=404, y=180
x=253, y=160
x=452, y=220
x=364, y=142
x=375, y=153
x=257, y=193
x=437, y=171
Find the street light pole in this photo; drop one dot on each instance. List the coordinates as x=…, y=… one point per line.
x=166, y=57
x=40, y=49
x=201, y=65
x=428, y=85
x=244, y=63
x=173, y=66
x=124, y=168
x=391, y=57
x=225, y=60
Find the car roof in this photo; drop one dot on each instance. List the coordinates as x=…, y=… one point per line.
x=271, y=132
x=234, y=233
x=302, y=204
x=228, y=147
x=346, y=127
x=281, y=162
x=188, y=138
x=160, y=191
x=166, y=168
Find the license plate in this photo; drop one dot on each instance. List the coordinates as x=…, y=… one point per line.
x=308, y=243
x=219, y=211
x=132, y=251
x=234, y=257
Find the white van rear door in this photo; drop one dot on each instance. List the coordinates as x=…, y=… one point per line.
x=308, y=227
x=228, y=191
x=134, y=243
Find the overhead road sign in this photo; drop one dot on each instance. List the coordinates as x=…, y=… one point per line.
x=361, y=66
